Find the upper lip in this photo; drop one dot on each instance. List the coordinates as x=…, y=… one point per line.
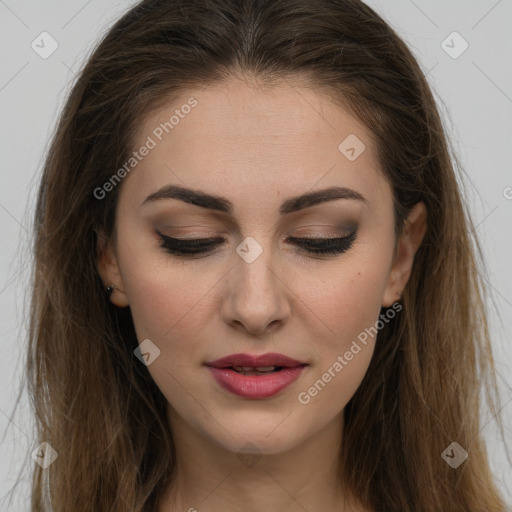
x=254, y=361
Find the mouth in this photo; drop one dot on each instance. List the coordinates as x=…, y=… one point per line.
x=260, y=370
x=256, y=377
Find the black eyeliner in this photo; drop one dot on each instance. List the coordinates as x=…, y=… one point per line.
x=321, y=246
x=317, y=246
x=188, y=246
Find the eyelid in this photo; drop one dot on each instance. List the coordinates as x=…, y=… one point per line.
x=318, y=246
x=326, y=230
x=215, y=238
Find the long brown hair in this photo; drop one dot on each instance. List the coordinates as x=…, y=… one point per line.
x=98, y=407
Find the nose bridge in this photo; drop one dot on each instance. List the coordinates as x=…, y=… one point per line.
x=256, y=293
x=255, y=277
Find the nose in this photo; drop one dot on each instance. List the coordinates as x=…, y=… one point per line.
x=256, y=299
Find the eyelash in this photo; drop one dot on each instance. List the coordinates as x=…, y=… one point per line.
x=316, y=246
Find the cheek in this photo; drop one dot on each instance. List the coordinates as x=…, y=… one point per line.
x=166, y=302
x=348, y=306
x=346, y=300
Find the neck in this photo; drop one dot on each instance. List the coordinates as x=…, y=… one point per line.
x=210, y=477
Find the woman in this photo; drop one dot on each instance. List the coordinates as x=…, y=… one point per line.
x=255, y=284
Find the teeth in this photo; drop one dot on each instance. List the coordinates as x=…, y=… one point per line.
x=250, y=370
x=258, y=368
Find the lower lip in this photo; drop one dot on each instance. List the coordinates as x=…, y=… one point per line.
x=255, y=386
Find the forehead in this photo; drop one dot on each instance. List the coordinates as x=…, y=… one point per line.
x=248, y=138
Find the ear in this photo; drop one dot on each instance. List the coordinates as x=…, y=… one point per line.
x=108, y=269
x=407, y=245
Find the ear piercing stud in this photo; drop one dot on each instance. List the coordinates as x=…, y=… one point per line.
x=109, y=290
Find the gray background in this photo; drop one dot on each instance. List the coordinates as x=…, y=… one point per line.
x=474, y=92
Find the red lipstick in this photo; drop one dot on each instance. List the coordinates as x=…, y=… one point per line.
x=255, y=377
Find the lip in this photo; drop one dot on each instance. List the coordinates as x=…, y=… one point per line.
x=255, y=387
x=254, y=361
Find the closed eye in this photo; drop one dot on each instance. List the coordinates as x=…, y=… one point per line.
x=196, y=246
x=336, y=245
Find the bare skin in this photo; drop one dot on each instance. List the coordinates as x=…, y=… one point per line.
x=257, y=148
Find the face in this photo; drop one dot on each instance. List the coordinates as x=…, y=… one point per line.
x=298, y=258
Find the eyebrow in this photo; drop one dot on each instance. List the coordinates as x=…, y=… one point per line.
x=221, y=204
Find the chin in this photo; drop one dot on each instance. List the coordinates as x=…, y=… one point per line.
x=259, y=436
